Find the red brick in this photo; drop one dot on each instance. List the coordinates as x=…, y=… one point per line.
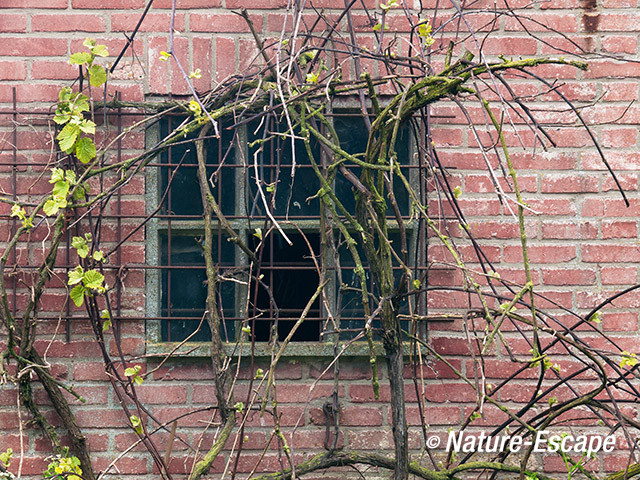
x=65, y=22
x=102, y=418
x=187, y=3
x=153, y=22
x=568, y=276
x=541, y=254
x=619, y=275
x=569, y=183
x=222, y=22
x=51, y=70
x=619, y=229
x=13, y=23
x=32, y=47
x=256, y=4
x=34, y=4
x=619, y=44
x=114, y=4
x=13, y=70
x=155, y=394
x=225, y=58
x=610, y=253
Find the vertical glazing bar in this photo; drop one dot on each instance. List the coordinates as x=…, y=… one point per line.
x=169, y=270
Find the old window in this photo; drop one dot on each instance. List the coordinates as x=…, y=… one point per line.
x=288, y=274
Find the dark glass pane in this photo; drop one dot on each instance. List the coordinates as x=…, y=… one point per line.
x=353, y=135
x=184, y=287
x=274, y=170
x=184, y=197
x=290, y=274
x=351, y=306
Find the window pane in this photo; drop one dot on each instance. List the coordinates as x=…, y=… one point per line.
x=353, y=135
x=184, y=195
x=290, y=274
x=184, y=291
x=351, y=307
x=275, y=163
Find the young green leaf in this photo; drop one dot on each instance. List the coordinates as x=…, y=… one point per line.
x=628, y=360
x=51, y=207
x=100, y=51
x=93, y=279
x=5, y=457
x=57, y=175
x=136, y=423
x=76, y=275
x=67, y=137
x=85, y=150
x=61, y=189
x=77, y=295
x=88, y=127
x=106, y=316
x=80, y=58
x=89, y=43
x=98, y=256
x=81, y=246
x=97, y=75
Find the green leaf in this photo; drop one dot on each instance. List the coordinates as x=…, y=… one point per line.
x=595, y=318
x=89, y=43
x=17, y=211
x=85, y=150
x=93, y=279
x=81, y=246
x=67, y=137
x=97, y=76
x=80, y=58
x=61, y=117
x=100, y=51
x=51, y=207
x=98, y=256
x=65, y=94
x=79, y=193
x=61, y=189
x=75, y=275
x=70, y=176
x=107, y=322
x=131, y=371
x=258, y=233
x=457, y=192
x=5, y=456
x=77, y=295
x=628, y=359
x=88, y=127
x=57, y=174
x=136, y=423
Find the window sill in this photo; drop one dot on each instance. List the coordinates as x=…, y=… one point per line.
x=297, y=349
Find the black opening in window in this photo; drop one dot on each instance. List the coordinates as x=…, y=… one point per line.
x=288, y=280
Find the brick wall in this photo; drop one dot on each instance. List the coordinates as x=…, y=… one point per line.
x=583, y=238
